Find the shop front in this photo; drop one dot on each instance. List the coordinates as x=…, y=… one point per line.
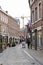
x=39, y=39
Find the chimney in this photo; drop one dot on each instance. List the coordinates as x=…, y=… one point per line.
x=7, y=12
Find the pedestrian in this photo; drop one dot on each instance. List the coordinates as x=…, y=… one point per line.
x=28, y=40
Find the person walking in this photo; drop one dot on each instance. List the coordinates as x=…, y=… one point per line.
x=28, y=39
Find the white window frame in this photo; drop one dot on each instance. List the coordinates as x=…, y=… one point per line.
x=35, y=14
x=32, y=17
x=38, y=10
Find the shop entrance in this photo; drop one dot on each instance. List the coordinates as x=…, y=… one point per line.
x=39, y=39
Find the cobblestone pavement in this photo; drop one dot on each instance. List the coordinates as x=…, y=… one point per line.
x=37, y=54
x=16, y=56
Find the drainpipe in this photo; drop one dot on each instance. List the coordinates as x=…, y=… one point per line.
x=31, y=28
x=35, y=39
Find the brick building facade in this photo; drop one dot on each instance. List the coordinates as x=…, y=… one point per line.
x=8, y=25
x=36, y=7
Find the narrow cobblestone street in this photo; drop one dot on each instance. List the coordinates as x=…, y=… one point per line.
x=16, y=56
x=21, y=32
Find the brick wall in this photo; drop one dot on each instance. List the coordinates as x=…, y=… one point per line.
x=39, y=22
x=13, y=27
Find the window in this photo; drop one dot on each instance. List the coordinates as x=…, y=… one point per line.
x=4, y=18
x=39, y=10
x=32, y=16
x=36, y=14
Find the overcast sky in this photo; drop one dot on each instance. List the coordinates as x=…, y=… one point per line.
x=16, y=8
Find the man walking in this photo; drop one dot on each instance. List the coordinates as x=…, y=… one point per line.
x=28, y=39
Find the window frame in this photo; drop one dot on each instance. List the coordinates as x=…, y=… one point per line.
x=33, y=20
x=35, y=14
x=38, y=10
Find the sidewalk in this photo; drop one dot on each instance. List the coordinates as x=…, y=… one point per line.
x=37, y=54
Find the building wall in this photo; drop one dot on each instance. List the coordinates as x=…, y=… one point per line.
x=36, y=4
x=3, y=23
x=38, y=24
x=13, y=27
x=8, y=25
